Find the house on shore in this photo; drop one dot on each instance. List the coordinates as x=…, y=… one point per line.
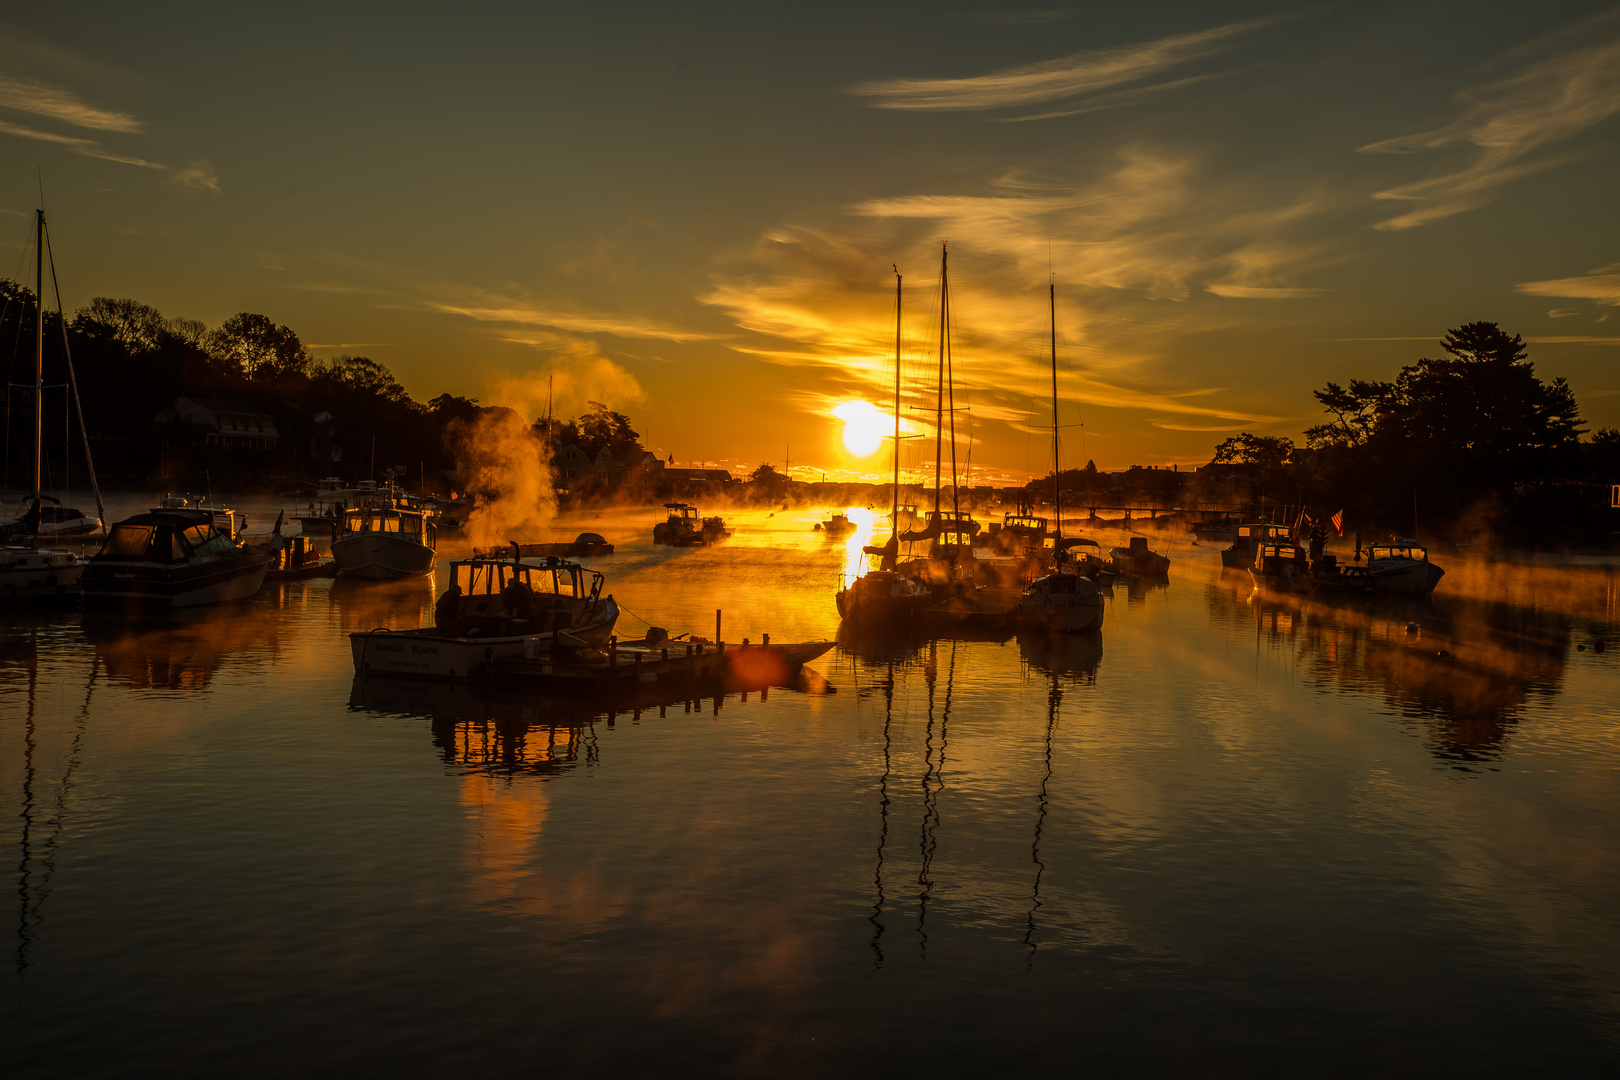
x=212, y=422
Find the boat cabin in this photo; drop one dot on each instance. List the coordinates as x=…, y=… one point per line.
x=683, y=512
x=166, y=536
x=1250, y=535
x=1280, y=560
x=223, y=517
x=1399, y=548
x=408, y=524
x=504, y=597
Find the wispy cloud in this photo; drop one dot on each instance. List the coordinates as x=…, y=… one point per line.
x=518, y=311
x=1087, y=72
x=56, y=103
x=1600, y=286
x=42, y=99
x=1513, y=122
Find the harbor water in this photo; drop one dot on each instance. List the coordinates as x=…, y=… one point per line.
x=1230, y=834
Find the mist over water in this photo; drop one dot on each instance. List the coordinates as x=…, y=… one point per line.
x=1231, y=833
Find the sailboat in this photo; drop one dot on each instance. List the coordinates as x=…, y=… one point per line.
x=950, y=532
x=28, y=571
x=1062, y=600
x=883, y=594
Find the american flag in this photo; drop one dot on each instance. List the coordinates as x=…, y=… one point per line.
x=1338, y=522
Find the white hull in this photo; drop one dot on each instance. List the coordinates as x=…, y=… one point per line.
x=195, y=583
x=1412, y=578
x=33, y=573
x=380, y=556
x=427, y=653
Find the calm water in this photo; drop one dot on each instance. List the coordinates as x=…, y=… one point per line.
x=1233, y=835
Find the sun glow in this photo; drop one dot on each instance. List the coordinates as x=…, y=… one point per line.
x=865, y=426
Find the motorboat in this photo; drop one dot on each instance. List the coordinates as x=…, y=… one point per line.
x=1137, y=561
x=34, y=573
x=1281, y=566
x=1400, y=567
x=58, y=520
x=1240, y=556
x=385, y=544
x=835, y=526
x=683, y=527
x=173, y=558
x=494, y=610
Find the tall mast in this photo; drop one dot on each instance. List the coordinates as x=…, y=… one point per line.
x=39, y=345
x=1057, y=462
x=894, y=514
x=939, y=387
x=950, y=404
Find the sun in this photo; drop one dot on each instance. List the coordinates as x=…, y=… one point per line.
x=865, y=426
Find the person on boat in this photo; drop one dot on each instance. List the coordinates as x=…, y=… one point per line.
x=447, y=611
x=1318, y=539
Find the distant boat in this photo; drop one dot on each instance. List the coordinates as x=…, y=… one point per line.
x=684, y=528
x=385, y=544
x=1139, y=562
x=173, y=558
x=59, y=520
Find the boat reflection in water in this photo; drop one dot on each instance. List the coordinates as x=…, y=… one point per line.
x=1076, y=656
x=180, y=650
x=1463, y=672
x=361, y=604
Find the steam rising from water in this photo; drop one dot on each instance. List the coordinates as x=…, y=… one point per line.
x=500, y=456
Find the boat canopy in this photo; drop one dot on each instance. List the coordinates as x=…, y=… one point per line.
x=409, y=522
x=165, y=536
x=1399, y=548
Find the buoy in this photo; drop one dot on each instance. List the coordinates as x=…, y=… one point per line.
x=1411, y=628
x=1580, y=648
x=1598, y=647
x=1442, y=654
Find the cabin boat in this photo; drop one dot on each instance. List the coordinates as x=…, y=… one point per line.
x=1402, y=566
x=1137, y=561
x=384, y=544
x=173, y=558
x=30, y=573
x=58, y=520
x=1240, y=556
x=1281, y=567
x=1022, y=533
x=334, y=499
x=494, y=610
x=837, y=525
x=684, y=528
x=1063, y=602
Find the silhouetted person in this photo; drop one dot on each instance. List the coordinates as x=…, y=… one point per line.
x=447, y=612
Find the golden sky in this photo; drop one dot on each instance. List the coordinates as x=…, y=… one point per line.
x=693, y=214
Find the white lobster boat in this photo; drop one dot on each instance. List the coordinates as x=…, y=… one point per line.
x=494, y=609
x=1402, y=566
x=384, y=544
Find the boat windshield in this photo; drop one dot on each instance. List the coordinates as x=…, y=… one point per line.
x=128, y=541
x=1398, y=551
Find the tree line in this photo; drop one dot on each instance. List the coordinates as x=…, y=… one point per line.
x=1472, y=441
x=346, y=416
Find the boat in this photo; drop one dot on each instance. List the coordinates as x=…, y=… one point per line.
x=173, y=558
x=294, y=558
x=684, y=528
x=1061, y=600
x=56, y=519
x=494, y=610
x=385, y=544
x=948, y=565
x=29, y=572
x=1137, y=561
x=882, y=595
x=1240, y=556
x=585, y=545
x=1400, y=567
x=1281, y=566
x=835, y=526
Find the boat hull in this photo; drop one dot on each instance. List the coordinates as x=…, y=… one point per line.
x=209, y=580
x=38, y=574
x=883, y=597
x=380, y=556
x=428, y=653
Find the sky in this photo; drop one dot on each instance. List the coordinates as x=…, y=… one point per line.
x=694, y=214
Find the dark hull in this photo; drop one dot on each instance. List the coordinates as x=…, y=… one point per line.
x=206, y=580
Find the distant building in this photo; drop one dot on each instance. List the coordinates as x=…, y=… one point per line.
x=696, y=474
x=211, y=422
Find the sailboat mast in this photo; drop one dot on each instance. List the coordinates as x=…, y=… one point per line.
x=950, y=404
x=894, y=514
x=939, y=388
x=39, y=345
x=1057, y=462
